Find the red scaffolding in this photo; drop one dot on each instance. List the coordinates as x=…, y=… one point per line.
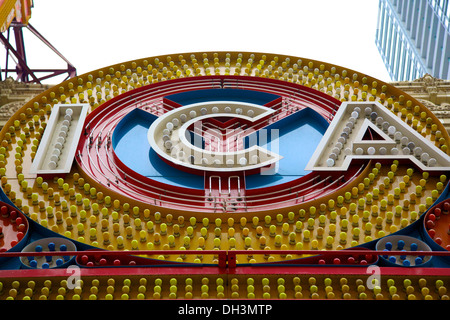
x=14, y=16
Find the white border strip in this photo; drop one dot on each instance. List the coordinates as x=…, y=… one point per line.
x=48, y=140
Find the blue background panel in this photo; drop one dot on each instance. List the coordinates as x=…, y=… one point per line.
x=240, y=95
x=131, y=146
x=299, y=135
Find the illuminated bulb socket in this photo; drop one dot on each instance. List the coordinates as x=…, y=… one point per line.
x=379, y=121
x=169, y=126
x=58, y=146
x=255, y=159
x=64, y=129
x=342, y=140
x=69, y=112
x=347, y=130
x=432, y=162
x=417, y=152
x=56, y=152
x=54, y=158
x=52, y=165
x=243, y=161
x=165, y=137
x=391, y=131
x=168, y=145
x=373, y=116
x=425, y=157
x=330, y=162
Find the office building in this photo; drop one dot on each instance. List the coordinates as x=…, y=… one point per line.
x=413, y=38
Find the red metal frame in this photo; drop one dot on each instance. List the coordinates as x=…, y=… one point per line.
x=227, y=264
x=22, y=70
x=256, y=270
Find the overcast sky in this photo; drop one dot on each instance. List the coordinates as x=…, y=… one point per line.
x=93, y=34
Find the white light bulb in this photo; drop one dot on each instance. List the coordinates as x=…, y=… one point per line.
x=243, y=161
x=52, y=165
x=330, y=162
x=169, y=126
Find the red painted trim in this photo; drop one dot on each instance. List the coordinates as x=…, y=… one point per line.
x=171, y=104
x=234, y=252
x=207, y=270
x=317, y=270
x=60, y=272
x=275, y=104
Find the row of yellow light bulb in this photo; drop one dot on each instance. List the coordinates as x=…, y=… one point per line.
x=268, y=228
x=248, y=287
